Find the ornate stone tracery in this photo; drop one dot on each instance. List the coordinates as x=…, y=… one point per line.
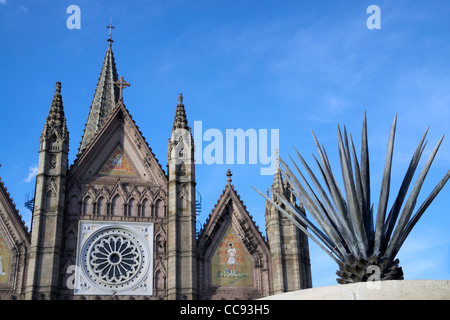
x=115, y=259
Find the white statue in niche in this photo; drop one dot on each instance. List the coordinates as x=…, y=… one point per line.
x=2, y=272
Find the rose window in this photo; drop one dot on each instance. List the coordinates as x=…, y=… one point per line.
x=116, y=259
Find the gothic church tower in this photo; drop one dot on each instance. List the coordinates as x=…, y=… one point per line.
x=47, y=220
x=291, y=269
x=181, y=214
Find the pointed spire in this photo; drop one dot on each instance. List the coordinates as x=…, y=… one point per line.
x=180, y=121
x=56, y=119
x=105, y=98
x=277, y=178
x=280, y=185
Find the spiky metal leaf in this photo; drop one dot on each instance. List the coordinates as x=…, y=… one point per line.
x=344, y=223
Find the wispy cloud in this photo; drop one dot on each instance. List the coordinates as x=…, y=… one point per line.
x=32, y=171
x=426, y=253
x=3, y=2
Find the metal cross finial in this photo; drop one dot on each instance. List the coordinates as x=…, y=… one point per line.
x=110, y=27
x=121, y=83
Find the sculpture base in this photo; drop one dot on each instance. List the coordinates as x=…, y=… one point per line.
x=379, y=290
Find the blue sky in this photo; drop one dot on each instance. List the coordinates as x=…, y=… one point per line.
x=287, y=65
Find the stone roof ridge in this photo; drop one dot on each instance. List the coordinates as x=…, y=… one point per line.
x=18, y=216
x=229, y=187
x=122, y=107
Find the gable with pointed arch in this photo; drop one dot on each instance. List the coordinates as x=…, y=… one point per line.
x=233, y=254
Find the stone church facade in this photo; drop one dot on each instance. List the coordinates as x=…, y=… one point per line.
x=115, y=225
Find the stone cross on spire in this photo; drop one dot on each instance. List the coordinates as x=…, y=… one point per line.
x=122, y=84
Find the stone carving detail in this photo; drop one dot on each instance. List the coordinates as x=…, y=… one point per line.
x=52, y=161
x=86, y=229
x=182, y=169
x=184, y=193
x=51, y=187
x=142, y=202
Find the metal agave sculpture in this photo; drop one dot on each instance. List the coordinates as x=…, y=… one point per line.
x=347, y=230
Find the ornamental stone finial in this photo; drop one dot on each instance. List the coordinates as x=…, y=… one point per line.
x=277, y=160
x=229, y=174
x=58, y=87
